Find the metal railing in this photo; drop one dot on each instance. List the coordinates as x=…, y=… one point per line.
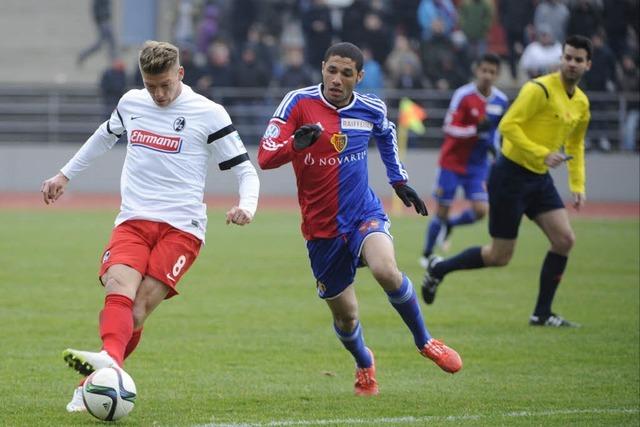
x=54, y=114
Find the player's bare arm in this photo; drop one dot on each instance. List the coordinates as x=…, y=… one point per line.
x=53, y=187
x=239, y=216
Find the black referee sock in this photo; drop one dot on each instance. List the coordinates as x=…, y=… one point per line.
x=466, y=260
x=550, y=276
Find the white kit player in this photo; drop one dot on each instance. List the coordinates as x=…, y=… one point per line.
x=172, y=133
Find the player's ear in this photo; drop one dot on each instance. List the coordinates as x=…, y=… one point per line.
x=360, y=76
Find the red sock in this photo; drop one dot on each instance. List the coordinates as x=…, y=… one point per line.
x=116, y=325
x=133, y=342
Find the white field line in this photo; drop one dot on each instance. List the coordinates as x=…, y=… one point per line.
x=425, y=419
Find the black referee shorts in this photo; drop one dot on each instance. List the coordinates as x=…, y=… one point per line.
x=515, y=190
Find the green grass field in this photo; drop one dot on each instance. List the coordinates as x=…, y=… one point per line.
x=248, y=342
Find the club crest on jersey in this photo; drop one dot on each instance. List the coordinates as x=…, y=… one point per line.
x=153, y=141
x=339, y=141
x=321, y=288
x=367, y=226
x=179, y=124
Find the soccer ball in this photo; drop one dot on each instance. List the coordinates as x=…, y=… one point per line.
x=109, y=394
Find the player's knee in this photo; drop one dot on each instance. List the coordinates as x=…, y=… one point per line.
x=113, y=285
x=564, y=242
x=498, y=258
x=346, y=322
x=480, y=211
x=387, y=274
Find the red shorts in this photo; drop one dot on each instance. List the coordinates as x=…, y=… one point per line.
x=153, y=249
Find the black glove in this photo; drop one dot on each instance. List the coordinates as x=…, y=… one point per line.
x=483, y=126
x=409, y=197
x=305, y=136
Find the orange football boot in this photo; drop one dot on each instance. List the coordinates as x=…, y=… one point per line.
x=366, y=384
x=445, y=357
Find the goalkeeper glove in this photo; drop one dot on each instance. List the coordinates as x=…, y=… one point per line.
x=409, y=197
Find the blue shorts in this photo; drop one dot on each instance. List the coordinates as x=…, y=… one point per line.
x=334, y=261
x=513, y=191
x=473, y=183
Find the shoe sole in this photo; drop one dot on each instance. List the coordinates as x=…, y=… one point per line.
x=427, y=296
x=76, y=363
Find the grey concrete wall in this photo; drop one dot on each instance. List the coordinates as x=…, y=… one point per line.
x=610, y=177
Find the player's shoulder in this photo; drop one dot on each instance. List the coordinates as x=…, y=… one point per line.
x=135, y=95
x=296, y=95
x=372, y=102
x=293, y=97
x=461, y=93
x=499, y=94
x=465, y=90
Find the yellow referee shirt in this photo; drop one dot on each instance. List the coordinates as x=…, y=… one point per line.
x=540, y=121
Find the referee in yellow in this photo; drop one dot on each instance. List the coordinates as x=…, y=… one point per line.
x=550, y=113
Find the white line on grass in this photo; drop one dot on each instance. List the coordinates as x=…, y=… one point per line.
x=428, y=418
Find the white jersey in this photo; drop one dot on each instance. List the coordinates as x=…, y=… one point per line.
x=168, y=151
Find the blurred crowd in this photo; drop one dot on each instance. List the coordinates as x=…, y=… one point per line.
x=408, y=44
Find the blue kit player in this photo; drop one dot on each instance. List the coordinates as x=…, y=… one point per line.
x=324, y=131
x=470, y=134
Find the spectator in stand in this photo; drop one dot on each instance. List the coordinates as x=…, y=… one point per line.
x=318, y=31
x=218, y=71
x=405, y=18
x=113, y=85
x=600, y=78
x=184, y=31
x=475, y=20
x=101, y=11
x=353, y=20
x=602, y=75
x=249, y=72
x=515, y=18
x=629, y=83
x=193, y=72
x=446, y=59
x=208, y=27
x=459, y=72
x=409, y=76
x=295, y=74
x=555, y=15
x=401, y=55
x=265, y=46
x=431, y=11
x=373, y=79
x=584, y=18
x=541, y=56
x=378, y=35
x=243, y=14
x=616, y=15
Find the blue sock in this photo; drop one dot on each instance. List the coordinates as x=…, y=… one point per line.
x=432, y=234
x=405, y=302
x=466, y=217
x=466, y=260
x=354, y=342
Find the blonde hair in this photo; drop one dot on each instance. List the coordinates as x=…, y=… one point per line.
x=158, y=57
